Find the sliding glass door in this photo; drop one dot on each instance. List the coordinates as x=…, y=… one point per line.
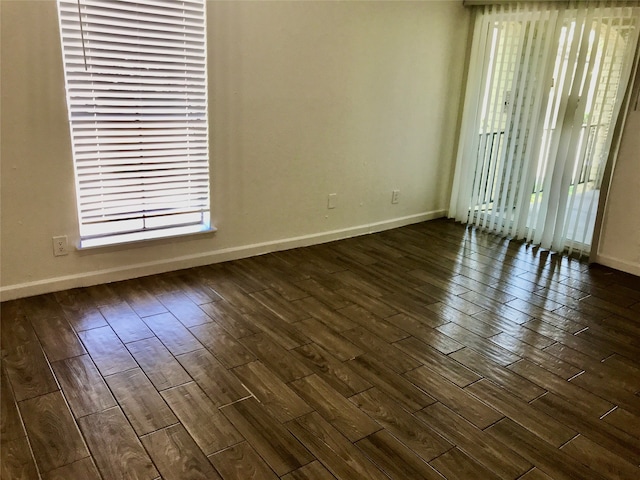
x=544, y=90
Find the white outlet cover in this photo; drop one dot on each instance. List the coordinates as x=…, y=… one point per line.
x=331, y=202
x=60, y=246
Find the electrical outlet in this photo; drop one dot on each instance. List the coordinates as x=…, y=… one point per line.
x=60, y=246
x=331, y=202
x=395, y=196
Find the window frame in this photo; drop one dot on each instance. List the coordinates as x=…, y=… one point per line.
x=141, y=163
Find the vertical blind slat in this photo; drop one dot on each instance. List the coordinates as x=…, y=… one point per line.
x=552, y=78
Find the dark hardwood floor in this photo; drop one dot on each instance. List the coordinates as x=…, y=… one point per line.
x=430, y=351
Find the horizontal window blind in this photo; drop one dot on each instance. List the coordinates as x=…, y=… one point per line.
x=135, y=76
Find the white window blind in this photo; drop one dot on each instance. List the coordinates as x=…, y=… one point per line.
x=135, y=76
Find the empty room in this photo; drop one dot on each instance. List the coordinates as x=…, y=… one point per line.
x=319, y=239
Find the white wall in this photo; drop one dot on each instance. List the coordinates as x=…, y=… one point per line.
x=306, y=99
x=619, y=245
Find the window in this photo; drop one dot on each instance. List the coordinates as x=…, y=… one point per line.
x=135, y=74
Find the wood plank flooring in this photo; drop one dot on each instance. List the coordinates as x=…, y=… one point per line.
x=426, y=352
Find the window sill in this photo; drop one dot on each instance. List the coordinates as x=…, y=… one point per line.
x=141, y=237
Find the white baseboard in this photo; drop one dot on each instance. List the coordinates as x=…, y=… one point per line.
x=87, y=279
x=623, y=265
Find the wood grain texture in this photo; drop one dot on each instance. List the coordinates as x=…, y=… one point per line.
x=83, y=386
x=125, y=322
x=510, y=381
x=340, y=376
x=624, y=420
x=107, y=351
x=327, y=296
x=280, y=361
x=335, y=452
x=615, y=440
x=158, y=364
x=613, y=389
x=544, y=426
x=42, y=306
x=627, y=368
x=282, y=452
x=584, y=400
x=456, y=464
x=209, y=428
x=600, y=459
x=140, y=401
x=367, y=302
x=140, y=300
x=394, y=385
x=184, y=309
x=176, y=455
x=395, y=459
x=427, y=351
x=80, y=470
x=172, y=333
x=58, y=339
x=557, y=463
x=332, y=342
x=235, y=295
x=424, y=330
x=621, y=380
x=280, y=306
x=490, y=452
x=24, y=360
x=457, y=399
x=226, y=349
x=311, y=471
x=373, y=323
x=536, y=355
x=401, y=424
x=488, y=348
x=438, y=362
x=80, y=309
x=338, y=411
x=52, y=431
x=274, y=395
x=384, y=352
x=16, y=460
x=330, y=318
x=115, y=447
x=10, y=423
x=197, y=292
x=103, y=295
x=288, y=335
x=535, y=474
x=241, y=462
x=218, y=383
x=226, y=316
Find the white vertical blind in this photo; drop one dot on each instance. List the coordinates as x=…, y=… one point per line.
x=545, y=87
x=135, y=76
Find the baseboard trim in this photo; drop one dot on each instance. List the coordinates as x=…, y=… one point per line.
x=87, y=279
x=622, y=265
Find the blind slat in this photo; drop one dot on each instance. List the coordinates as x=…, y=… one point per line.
x=545, y=85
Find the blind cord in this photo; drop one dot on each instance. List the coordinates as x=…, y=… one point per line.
x=84, y=52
